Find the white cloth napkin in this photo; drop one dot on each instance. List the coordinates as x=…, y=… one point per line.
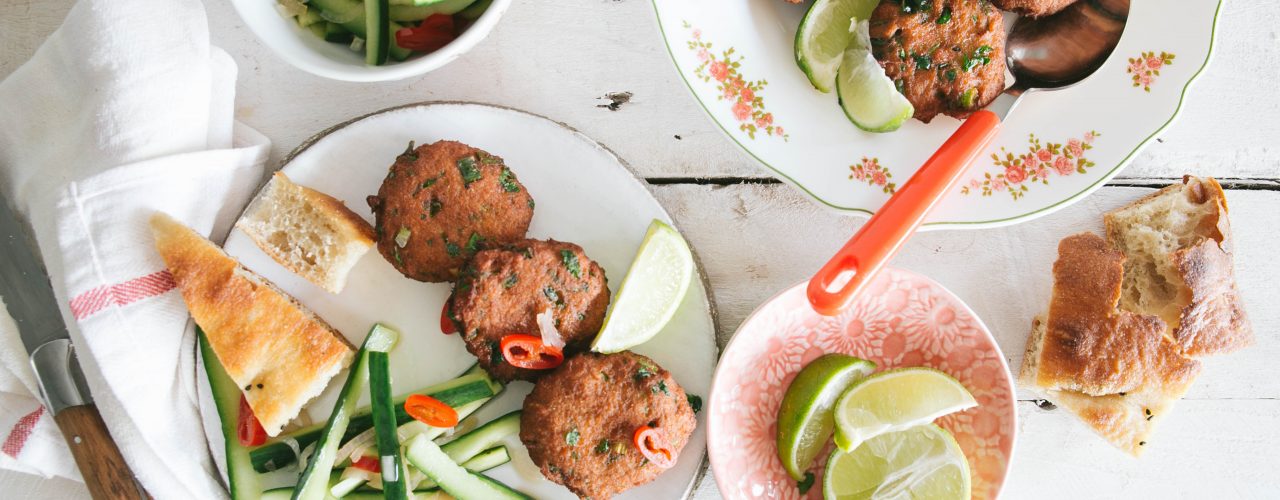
x=125, y=110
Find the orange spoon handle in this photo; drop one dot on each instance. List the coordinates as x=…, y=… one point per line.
x=853, y=266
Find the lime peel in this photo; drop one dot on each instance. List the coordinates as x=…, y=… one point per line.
x=651, y=292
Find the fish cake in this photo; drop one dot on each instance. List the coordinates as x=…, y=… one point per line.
x=1033, y=8
x=504, y=288
x=440, y=202
x=945, y=56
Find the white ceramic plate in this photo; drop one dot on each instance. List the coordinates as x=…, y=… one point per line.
x=309, y=53
x=1087, y=133
x=584, y=194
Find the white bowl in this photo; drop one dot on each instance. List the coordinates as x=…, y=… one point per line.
x=335, y=60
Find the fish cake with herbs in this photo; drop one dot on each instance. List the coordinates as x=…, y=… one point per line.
x=504, y=288
x=580, y=423
x=945, y=56
x=440, y=202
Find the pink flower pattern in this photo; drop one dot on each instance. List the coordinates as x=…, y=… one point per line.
x=1145, y=68
x=871, y=172
x=724, y=69
x=902, y=320
x=1018, y=171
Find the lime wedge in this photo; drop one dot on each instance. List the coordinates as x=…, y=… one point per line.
x=919, y=462
x=896, y=400
x=823, y=36
x=868, y=97
x=650, y=293
x=804, y=419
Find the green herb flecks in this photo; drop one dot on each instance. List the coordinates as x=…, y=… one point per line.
x=429, y=182
x=488, y=159
x=923, y=61
x=803, y=485
x=508, y=181
x=495, y=353
x=661, y=386
x=552, y=295
x=408, y=155
x=695, y=402
x=402, y=237
x=980, y=56
x=433, y=206
x=945, y=16
x=968, y=98
x=571, y=438
x=473, y=243
x=602, y=446
x=470, y=172
x=395, y=252
x=643, y=373
x=451, y=248
x=570, y=261
x=916, y=5
x=511, y=281
x=530, y=202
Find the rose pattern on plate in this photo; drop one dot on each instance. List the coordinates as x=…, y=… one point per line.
x=724, y=68
x=1041, y=162
x=901, y=320
x=871, y=172
x=1145, y=68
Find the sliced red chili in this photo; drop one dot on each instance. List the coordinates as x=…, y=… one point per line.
x=430, y=411
x=434, y=32
x=446, y=318
x=652, y=443
x=248, y=429
x=367, y=463
x=528, y=351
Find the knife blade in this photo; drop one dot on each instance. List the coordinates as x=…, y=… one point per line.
x=26, y=291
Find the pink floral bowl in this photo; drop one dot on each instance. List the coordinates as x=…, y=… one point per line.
x=903, y=319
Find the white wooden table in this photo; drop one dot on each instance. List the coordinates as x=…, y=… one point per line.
x=559, y=57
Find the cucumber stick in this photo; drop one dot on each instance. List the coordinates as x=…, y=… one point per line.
x=474, y=385
x=486, y=460
x=242, y=480
x=384, y=426
x=377, y=43
x=453, y=478
x=483, y=461
x=350, y=14
x=314, y=482
x=284, y=494
x=468, y=445
x=474, y=10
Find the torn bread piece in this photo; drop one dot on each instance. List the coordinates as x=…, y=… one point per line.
x=1178, y=245
x=308, y=232
x=277, y=351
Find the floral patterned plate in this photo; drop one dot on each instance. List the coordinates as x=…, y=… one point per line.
x=737, y=58
x=903, y=319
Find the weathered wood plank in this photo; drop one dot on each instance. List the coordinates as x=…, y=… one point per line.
x=756, y=240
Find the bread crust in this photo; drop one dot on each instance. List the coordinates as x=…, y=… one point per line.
x=1212, y=318
x=279, y=354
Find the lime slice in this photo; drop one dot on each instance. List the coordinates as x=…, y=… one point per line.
x=896, y=400
x=920, y=462
x=823, y=36
x=804, y=419
x=650, y=293
x=868, y=97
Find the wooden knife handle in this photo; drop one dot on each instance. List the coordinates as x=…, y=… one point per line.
x=103, y=467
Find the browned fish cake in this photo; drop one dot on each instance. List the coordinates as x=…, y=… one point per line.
x=580, y=421
x=945, y=56
x=440, y=202
x=504, y=288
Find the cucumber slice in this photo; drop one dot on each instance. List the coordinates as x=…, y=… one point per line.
x=474, y=10
x=314, y=482
x=309, y=17
x=474, y=385
x=377, y=43
x=468, y=445
x=350, y=14
x=384, y=425
x=452, y=478
x=488, y=459
x=242, y=480
x=334, y=32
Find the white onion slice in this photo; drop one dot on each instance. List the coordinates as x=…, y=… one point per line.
x=550, y=335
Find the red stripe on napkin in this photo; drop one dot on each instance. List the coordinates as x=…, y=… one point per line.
x=21, y=431
x=121, y=294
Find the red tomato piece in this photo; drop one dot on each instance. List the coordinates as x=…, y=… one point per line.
x=248, y=429
x=434, y=32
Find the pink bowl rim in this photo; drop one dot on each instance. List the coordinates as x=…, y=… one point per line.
x=713, y=422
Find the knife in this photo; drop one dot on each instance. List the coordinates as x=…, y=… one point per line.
x=29, y=297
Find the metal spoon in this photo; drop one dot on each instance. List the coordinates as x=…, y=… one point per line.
x=1042, y=54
